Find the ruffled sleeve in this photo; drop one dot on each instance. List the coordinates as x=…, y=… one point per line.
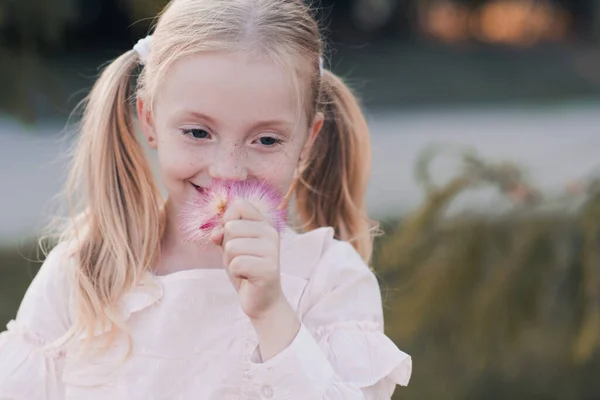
x=341, y=351
x=28, y=369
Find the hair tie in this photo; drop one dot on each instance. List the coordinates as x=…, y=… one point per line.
x=143, y=47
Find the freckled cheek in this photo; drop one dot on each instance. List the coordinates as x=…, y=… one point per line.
x=180, y=167
x=177, y=162
x=276, y=169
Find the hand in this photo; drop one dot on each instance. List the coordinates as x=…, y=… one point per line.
x=251, y=257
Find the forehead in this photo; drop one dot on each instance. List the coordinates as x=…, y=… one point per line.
x=230, y=85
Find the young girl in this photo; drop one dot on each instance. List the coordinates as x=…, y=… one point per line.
x=125, y=308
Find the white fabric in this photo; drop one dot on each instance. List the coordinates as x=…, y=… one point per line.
x=191, y=340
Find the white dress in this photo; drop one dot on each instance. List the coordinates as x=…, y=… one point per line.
x=191, y=339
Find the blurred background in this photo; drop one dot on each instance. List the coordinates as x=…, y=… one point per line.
x=485, y=119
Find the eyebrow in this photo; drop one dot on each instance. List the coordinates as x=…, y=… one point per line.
x=195, y=114
x=256, y=125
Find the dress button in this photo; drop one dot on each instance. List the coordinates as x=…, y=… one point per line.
x=267, y=391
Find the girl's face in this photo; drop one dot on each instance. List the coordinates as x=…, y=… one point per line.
x=226, y=116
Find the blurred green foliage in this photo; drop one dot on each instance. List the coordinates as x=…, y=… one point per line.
x=496, y=305
x=31, y=28
x=18, y=266
x=26, y=26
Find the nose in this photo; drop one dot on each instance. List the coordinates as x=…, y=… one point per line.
x=228, y=165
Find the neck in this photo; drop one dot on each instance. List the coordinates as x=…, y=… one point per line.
x=178, y=255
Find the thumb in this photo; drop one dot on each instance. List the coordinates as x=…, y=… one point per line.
x=216, y=236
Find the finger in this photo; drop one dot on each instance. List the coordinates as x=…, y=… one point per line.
x=245, y=266
x=240, y=209
x=245, y=246
x=217, y=235
x=249, y=229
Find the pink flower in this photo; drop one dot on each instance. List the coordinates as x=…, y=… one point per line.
x=205, y=211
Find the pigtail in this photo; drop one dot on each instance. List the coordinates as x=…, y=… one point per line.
x=118, y=235
x=333, y=183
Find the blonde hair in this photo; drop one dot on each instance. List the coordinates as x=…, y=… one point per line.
x=116, y=205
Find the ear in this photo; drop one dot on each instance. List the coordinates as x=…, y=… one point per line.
x=313, y=133
x=146, y=123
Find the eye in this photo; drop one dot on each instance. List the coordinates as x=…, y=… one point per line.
x=196, y=133
x=269, y=141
